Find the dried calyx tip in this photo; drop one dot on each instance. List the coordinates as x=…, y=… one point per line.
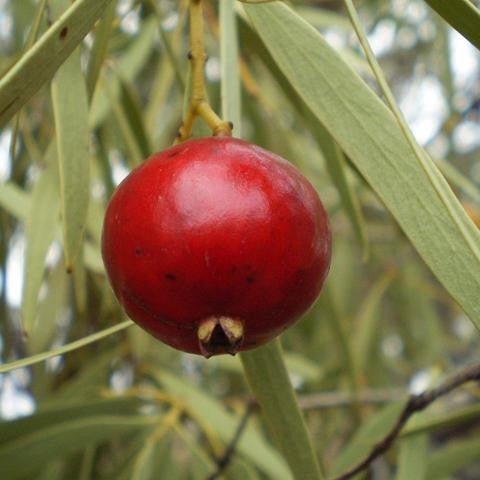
x=220, y=335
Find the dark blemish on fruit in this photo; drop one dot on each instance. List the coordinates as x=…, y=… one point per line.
x=190, y=56
x=138, y=251
x=170, y=276
x=63, y=33
x=230, y=124
x=250, y=279
x=173, y=154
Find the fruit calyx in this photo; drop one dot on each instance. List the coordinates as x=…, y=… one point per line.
x=220, y=334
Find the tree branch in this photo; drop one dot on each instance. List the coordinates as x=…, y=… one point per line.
x=226, y=458
x=416, y=403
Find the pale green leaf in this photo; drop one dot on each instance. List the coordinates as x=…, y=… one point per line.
x=55, y=413
x=366, y=326
x=335, y=162
x=39, y=63
x=14, y=200
x=49, y=310
x=454, y=456
x=57, y=440
x=426, y=422
x=268, y=379
x=40, y=232
x=230, y=89
x=25, y=362
x=224, y=424
x=100, y=47
x=70, y=106
x=462, y=15
x=367, y=436
x=127, y=66
x=412, y=458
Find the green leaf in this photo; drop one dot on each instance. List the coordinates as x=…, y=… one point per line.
x=296, y=363
x=40, y=232
x=100, y=47
x=268, y=379
x=367, y=436
x=69, y=347
x=60, y=439
x=133, y=111
x=426, y=422
x=39, y=63
x=462, y=15
x=230, y=89
x=49, y=310
x=127, y=67
x=70, y=106
x=417, y=195
x=55, y=413
x=224, y=424
x=412, y=458
x=14, y=200
x=335, y=162
x=366, y=326
x=457, y=455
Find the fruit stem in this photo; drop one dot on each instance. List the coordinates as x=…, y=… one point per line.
x=268, y=379
x=199, y=105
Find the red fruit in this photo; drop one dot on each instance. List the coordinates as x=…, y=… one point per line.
x=216, y=245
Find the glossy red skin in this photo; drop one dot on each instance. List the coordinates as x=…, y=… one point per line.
x=215, y=226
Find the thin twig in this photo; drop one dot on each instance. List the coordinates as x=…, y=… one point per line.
x=415, y=404
x=226, y=458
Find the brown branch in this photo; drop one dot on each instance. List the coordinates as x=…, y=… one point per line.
x=416, y=403
x=224, y=461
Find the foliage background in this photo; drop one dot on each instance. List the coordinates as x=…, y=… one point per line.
x=129, y=407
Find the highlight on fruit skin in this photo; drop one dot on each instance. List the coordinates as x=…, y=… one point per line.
x=216, y=245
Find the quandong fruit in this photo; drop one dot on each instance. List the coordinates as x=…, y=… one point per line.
x=216, y=245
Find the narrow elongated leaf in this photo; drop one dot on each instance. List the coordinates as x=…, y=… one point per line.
x=55, y=441
x=224, y=424
x=267, y=377
x=231, y=92
x=40, y=357
x=14, y=200
x=40, y=231
x=49, y=310
x=70, y=105
x=443, y=463
x=296, y=364
x=416, y=194
x=426, y=423
x=462, y=15
x=39, y=64
x=54, y=413
x=367, y=437
x=412, y=458
x=335, y=161
x=366, y=322
x=133, y=111
x=100, y=46
x=128, y=66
